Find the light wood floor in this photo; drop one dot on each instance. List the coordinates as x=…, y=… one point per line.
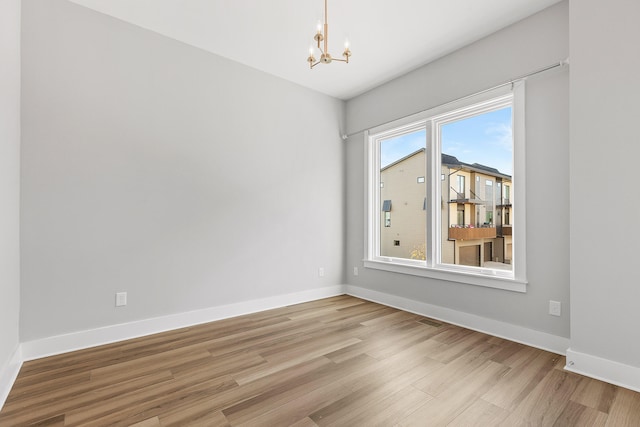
x=340, y=361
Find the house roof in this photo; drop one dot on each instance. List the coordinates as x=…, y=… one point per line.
x=449, y=160
x=402, y=159
x=452, y=161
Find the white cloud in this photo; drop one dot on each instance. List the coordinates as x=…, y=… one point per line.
x=501, y=135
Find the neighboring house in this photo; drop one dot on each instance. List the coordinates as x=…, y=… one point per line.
x=403, y=222
x=477, y=214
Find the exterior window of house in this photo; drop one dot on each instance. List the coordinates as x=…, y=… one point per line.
x=460, y=190
x=461, y=218
x=470, y=153
x=488, y=221
x=386, y=208
x=488, y=191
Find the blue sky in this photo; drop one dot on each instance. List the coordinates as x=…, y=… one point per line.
x=396, y=148
x=484, y=139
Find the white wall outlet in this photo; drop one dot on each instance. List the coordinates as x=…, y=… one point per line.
x=121, y=299
x=555, y=308
x=355, y=271
x=321, y=272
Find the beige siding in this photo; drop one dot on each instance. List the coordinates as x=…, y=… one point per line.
x=408, y=219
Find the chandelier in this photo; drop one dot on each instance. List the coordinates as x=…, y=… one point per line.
x=323, y=35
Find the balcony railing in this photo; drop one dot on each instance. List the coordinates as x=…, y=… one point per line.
x=471, y=233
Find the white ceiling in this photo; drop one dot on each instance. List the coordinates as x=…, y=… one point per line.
x=387, y=38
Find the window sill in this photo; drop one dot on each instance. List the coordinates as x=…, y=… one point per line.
x=477, y=279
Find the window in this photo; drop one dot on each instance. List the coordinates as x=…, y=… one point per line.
x=451, y=230
x=386, y=208
x=488, y=202
x=460, y=190
x=401, y=160
x=461, y=217
x=506, y=204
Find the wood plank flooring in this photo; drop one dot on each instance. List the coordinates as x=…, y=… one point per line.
x=339, y=361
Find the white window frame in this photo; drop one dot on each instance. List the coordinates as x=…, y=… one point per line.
x=431, y=120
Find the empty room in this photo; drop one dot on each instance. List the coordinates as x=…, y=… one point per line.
x=319, y=213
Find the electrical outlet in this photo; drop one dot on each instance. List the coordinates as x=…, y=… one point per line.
x=355, y=271
x=321, y=272
x=121, y=299
x=555, y=308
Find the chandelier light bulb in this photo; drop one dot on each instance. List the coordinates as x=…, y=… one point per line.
x=311, y=59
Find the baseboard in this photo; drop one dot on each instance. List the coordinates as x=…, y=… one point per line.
x=603, y=369
x=581, y=363
x=9, y=373
x=90, y=338
x=531, y=337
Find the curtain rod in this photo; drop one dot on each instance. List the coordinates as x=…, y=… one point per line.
x=509, y=82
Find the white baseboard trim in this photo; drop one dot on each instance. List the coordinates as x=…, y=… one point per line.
x=105, y=335
x=603, y=369
x=9, y=373
x=581, y=363
x=531, y=337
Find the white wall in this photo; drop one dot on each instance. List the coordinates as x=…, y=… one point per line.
x=605, y=149
x=155, y=168
x=531, y=44
x=9, y=189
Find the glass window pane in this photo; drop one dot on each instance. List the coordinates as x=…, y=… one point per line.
x=402, y=159
x=477, y=221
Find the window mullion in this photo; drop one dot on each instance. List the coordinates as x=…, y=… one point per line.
x=432, y=194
